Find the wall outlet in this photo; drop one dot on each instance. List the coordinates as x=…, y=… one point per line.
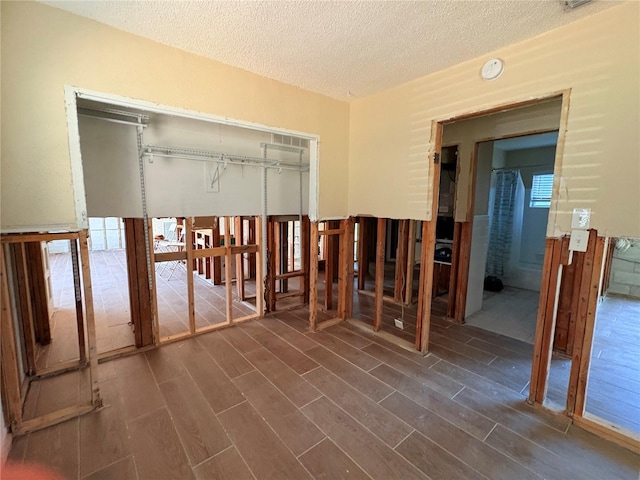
x=399, y=323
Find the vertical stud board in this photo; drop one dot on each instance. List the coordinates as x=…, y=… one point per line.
x=239, y=236
x=313, y=277
x=90, y=319
x=188, y=243
x=8, y=350
x=259, y=274
x=379, y=281
x=305, y=248
x=227, y=268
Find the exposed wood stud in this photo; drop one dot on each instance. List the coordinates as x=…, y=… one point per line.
x=305, y=233
x=585, y=322
x=348, y=277
x=328, y=267
x=587, y=342
x=411, y=260
x=283, y=257
x=259, y=274
x=90, y=320
x=363, y=257
x=227, y=269
x=23, y=305
x=401, y=261
x=464, y=258
x=379, y=282
x=313, y=276
x=188, y=241
x=239, y=236
x=423, y=322
x=38, y=291
x=217, y=261
x=342, y=272
x=78, y=297
x=428, y=250
x=549, y=314
x=270, y=283
x=9, y=355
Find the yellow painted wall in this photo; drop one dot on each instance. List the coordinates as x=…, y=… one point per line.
x=44, y=48
x=597, y=58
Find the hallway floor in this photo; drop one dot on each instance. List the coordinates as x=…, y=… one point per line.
x=266, y=399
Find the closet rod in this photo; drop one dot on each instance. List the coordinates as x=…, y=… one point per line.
x=222, y=158
x=113, y=120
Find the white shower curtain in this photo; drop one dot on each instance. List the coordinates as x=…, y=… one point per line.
x=502, y=218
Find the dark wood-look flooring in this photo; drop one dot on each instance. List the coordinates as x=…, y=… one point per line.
x=268, y=399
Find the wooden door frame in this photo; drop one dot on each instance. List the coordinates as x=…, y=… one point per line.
x=461, y=276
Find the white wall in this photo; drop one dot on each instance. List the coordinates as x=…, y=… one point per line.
x=534, y=222
x=178, y=187
x=110, y=166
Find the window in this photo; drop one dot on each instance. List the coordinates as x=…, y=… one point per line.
x=541, y=190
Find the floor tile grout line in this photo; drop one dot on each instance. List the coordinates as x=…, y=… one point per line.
x=314, y=400
x=273, y=430
x=315, y=444
x=232, y=406
x=355, y=420
x=233, y=444
x=490, y=432
x=413, y=430
x=386, y=396
x=215, y=454
x=278, y=388
x=463, y=387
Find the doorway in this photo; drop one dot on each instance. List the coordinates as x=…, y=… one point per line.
x=519, y=173
x=499, y=230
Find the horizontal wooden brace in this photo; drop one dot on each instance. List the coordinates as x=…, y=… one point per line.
x=295, y=273
x=170, y=256
x=239, y=249
x=333, y=231
x=38, y=237
x=295, y=293
x=328, y=323
x=65, y=367
x=52, y=418
x=385, y=298
x=209, y=252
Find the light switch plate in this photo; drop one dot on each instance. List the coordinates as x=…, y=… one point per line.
x=579, y=240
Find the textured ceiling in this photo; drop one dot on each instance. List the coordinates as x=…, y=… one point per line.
x=344, y=49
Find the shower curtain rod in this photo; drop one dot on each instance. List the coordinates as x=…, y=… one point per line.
x=521, y=167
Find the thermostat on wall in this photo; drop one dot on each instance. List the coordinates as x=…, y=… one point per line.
x=492, y=69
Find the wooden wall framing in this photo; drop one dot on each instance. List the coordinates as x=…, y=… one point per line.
x=345, y=236
x=13, y=387
x=190, y=255
x=281, y=261
x=572, y=279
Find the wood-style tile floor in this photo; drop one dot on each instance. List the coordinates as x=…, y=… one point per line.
x=613, y=391
x=268, y=400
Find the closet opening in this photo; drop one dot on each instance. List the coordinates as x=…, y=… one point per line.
x=200, y=192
